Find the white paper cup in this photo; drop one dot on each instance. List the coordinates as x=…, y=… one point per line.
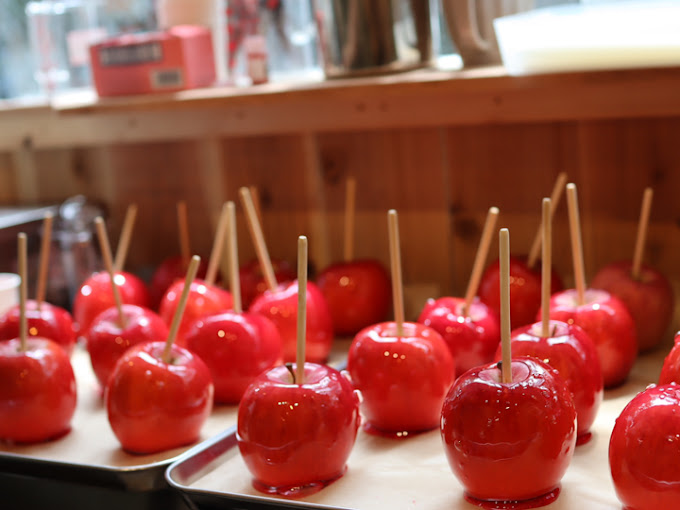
x=9, y=291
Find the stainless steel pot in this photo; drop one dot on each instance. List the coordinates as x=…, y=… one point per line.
x=361, y=37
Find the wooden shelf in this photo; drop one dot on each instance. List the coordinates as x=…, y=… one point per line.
x=424, y=98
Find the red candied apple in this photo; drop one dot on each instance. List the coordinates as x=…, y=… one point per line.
x=525, y=290
x=204, y=299
x=607, y=322
x=37, y=391
x=472, y=338
x=154, y=406
x=253, y=282
x=280, y=306
x=509, y=441
x=47, y=321
x=571, y=352
x=107, y=340
x=402, y=378
x=358, y=294
x=167, y=272
x=649, y=299
x=236, y=347
x=670, y=371
x=321, y=418
x=644, y=450
x=96, y=295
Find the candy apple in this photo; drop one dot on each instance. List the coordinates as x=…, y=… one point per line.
x=403, y=379
x=96, y=295
x=525, y=290
x=569, y=350
x=649, y=299
x=607, y=322
x=167, y=272
x=47, y=321
x=472, y=338
x=509, y=441
x=280, y=306
x=107, y=340
x=154, y=406
x=358, y=294
x=204, y=299
x=236, y=347
x=644, y=450
x=253, y=282
x=296, y=438
x=37, y=391
x=670, y=371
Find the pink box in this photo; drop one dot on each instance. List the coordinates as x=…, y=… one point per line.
x=176, y=59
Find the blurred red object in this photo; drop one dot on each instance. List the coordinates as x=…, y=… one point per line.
x=176, y=59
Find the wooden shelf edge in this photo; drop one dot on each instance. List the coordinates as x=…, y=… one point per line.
x=423, y=98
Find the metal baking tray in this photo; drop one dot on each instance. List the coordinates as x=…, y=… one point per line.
x=409, y=473
x=90, y=454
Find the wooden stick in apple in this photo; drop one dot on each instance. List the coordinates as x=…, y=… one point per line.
x=480, y=258
x=179, y=311
x=23, y=290
x=350, y=205
x=218, y=244
x=301, y=311
x=576, y=242
x=125, y=236
x=108, y=263
x=258, y=239
x=504, y=258
x=555, y=197
x=183, y=225
x=255, y=195
x=395, y=267
x=642, y=232
x=234, y=277
x=44, y=259
x=546, y=269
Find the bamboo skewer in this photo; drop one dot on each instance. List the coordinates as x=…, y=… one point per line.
x=23, y=291
x=302, y=311
x=108, y=263
x=218, y=245
x=181, y=304
x=555, y=197
x=504, y=259
x=258, y=239
x=234, y=277
x=44, y=259
x=576, y=243
x=480, y=258
x=546, y=269
x=257, y=204
x=350, y=206
x=395, y=266
x=125, y=236
x=642, y=232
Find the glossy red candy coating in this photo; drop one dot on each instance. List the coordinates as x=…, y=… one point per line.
x=154, y=406
x=472, y=338
x=236, y=347
x=280, y=306
x=402, y=379
x=609, y=325
x=37, y=391
x=509, y=441
x=571, y=352
x=295, y=438
x=48, y=321
x=644, y=449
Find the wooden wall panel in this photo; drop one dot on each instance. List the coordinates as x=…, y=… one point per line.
x=7, y=180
